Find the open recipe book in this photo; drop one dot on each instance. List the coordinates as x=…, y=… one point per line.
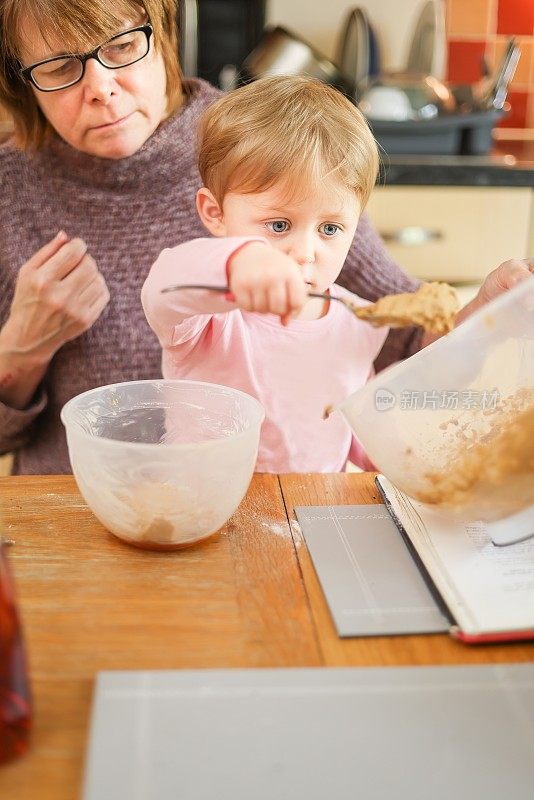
x=488, y=590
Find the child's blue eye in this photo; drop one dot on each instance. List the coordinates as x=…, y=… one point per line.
x=278, y=226
x=329, y=229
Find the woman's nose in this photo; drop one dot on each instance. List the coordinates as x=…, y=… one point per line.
x=98, y=82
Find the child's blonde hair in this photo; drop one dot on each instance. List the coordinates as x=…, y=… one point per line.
x=288, y=129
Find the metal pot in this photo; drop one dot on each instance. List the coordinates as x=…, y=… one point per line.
x=281, y=52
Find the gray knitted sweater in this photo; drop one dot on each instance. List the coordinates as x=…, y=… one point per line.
x=127, y=211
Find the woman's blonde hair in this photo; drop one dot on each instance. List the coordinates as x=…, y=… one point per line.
x=80, y=24
x=290, y=130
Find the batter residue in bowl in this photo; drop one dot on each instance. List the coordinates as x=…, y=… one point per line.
x=498, y=468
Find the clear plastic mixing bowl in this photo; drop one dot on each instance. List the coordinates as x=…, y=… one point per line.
x=452, y=426
x=163, y=464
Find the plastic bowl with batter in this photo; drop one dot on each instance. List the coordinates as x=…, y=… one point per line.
x=163, y=464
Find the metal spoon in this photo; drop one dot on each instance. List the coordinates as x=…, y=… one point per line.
x=227, y=290
x=370, y=313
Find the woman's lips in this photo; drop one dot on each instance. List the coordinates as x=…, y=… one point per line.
x=114, y=124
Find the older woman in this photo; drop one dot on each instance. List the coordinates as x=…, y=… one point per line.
x=102, y=175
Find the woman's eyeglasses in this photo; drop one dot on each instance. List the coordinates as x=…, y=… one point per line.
x=61, y=71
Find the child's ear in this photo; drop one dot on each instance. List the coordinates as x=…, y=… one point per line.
x=210, y=212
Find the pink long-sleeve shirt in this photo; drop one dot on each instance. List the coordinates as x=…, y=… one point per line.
x=294, y=371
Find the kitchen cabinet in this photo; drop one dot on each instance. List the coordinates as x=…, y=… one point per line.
x=454, y=233
x=6, y=463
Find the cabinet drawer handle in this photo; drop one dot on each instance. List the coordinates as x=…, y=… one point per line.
x=412, y=236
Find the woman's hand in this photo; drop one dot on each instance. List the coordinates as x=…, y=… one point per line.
x=59, y=294
x=501, y=279
x=505, y=277
x=265, y=280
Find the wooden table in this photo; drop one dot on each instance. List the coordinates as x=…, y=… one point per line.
x=247, y=597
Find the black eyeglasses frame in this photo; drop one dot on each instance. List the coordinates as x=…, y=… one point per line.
x=26, y=72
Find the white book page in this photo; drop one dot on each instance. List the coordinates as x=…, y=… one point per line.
x=486, y=588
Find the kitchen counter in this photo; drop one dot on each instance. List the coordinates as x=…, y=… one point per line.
x=509, y=164
x=247, y=597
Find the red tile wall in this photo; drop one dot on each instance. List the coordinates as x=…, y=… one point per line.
x=479, y=30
